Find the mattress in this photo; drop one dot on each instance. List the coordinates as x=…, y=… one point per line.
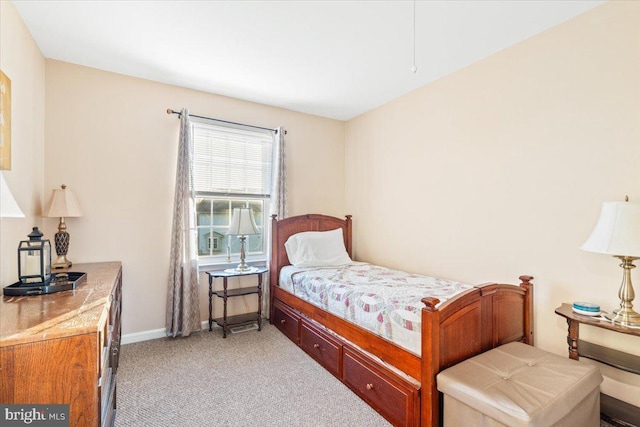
x=384, y=301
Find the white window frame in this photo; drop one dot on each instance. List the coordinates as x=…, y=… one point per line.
x=222, y=259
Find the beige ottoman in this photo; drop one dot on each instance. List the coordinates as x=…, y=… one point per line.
x=519, y=385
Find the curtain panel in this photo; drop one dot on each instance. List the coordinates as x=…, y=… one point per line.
x=183, y=308
x=278, y=202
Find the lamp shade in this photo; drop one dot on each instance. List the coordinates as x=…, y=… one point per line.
x=617, y=231
x=242, y=223
x=63, y=204
x=8, y=206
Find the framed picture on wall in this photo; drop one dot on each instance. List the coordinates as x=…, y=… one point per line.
x=5, y=122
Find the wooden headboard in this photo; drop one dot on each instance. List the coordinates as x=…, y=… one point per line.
x=282, y=229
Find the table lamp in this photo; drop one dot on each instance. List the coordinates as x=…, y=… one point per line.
x=63, y=204
x=8, y=206
x=242, y=225
x=617, y=233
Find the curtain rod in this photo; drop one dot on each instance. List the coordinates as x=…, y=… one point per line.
x=170, y=111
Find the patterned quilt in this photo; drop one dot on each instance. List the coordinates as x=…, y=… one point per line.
x=384, y=301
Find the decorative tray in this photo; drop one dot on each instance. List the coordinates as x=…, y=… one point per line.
x=59, y=282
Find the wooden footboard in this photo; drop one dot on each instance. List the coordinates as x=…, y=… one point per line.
x=470, y=323
x=478, y=320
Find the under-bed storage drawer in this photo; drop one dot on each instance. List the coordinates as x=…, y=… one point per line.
x=321, y=346
x=287, y=321
x=393, y=397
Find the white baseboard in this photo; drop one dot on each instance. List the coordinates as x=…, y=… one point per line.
x=153, y=334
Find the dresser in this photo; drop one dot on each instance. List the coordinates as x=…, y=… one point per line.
x=63, y=348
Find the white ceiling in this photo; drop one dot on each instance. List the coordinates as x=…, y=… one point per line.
x=335, y=59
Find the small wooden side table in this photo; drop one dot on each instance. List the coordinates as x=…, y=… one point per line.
x=624, y=361
x=240, y=319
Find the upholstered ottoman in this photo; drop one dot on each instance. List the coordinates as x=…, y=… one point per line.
x=519, y=385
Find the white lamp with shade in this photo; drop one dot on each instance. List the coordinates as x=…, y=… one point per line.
x=617, y=233
x=8, y=206
x=242, y=225
x=63, y=204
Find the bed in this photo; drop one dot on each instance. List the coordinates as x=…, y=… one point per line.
x=397, y=380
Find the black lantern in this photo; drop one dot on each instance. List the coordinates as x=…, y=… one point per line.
x=34, y=260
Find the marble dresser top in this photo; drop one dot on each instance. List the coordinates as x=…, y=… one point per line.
x=25, y=319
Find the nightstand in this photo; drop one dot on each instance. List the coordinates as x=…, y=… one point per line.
x=240, y=319
x=580, y=348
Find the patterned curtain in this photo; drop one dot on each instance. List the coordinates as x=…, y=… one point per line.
x=278, y=203
x=183, y=308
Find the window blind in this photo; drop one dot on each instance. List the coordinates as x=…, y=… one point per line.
x=231, y=160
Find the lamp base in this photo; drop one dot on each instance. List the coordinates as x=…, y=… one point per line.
x=61, y=262
x=242, y=267
x=62, y=246
x=624, y=317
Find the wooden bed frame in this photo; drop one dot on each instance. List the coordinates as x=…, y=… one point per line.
x=475, y=321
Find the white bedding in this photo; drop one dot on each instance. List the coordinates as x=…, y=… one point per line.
x=381, y=300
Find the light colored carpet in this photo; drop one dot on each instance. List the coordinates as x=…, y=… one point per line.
x=248, y=379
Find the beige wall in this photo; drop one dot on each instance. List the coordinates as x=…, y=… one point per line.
x=109, y=139
x=503, y=166
x=500, y=169
x=22, y=62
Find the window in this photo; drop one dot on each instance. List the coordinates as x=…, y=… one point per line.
x=213, y=243
x=232, y=169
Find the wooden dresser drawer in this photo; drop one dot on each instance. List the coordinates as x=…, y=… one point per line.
x=392, y=396
x=321, y=346
x=288, y=322
x=71, y=361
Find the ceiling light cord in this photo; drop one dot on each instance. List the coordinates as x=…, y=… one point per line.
x=414, y=69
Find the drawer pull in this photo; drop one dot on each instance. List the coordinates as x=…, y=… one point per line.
x=369, y=386
x=316, y=346
x=282, y=321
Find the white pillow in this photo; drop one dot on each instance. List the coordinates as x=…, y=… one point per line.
x=317, y=249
